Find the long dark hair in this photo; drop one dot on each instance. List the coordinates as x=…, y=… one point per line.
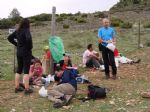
x=24, y=24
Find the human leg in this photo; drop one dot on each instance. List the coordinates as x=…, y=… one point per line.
x=106, y=61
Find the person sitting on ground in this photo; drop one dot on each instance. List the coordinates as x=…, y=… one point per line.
x=62, y=93
x=35, y=73
x=66, y=62
x=122, y=59
x=46, y=61
x=91, y=58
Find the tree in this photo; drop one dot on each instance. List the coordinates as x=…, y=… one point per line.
x=14, y=13
x=15, y=16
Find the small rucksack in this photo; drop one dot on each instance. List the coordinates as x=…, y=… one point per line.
x=96, y=92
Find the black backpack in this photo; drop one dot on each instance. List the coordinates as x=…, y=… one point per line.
x=96, y=92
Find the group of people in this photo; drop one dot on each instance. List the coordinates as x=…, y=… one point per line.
x=66, y=87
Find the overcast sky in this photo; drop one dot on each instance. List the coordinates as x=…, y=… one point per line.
x=32, y=7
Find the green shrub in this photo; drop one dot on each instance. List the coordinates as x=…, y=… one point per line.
x=100, y=15
x=81, y=20
x=59, y=19
x=41, y=17
x=84, y=15
x=63, y=15
x=65, y=26
x=72, y=18
x=6, y=23
x=115, y=22
x=126, y=25
x=146, y=25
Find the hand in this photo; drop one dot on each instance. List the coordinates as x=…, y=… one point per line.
x=108, y=41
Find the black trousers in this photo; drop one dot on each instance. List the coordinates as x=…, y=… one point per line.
x=93, y=63
x=108, y=57
x=24, y=62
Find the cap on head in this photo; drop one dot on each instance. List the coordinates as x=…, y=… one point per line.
x=46, y=47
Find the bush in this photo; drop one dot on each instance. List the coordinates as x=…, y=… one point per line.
x=81, y=20
x=116, y=22
x=146, y=25
x=100, y=15
x=84, y=15
x=41, y=17
x=65, y=26
x=126, y=25
x=6, y=23
x=59, y=19
x=73, y=18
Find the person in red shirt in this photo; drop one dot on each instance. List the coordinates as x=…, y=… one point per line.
x=116, y=52
x=35, y=72
x=66, y=62
x=46, y=61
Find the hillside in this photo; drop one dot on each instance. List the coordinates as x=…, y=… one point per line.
x=131, y=5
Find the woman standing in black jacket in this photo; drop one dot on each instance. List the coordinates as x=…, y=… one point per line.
x=22, y=39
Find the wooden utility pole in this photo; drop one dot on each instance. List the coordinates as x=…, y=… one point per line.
x=139, y=34
x=53, y=33
x=53, y=22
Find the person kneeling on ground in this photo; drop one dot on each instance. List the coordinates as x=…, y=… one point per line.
x=35, y=73
x=62, y=93
x=91, y=58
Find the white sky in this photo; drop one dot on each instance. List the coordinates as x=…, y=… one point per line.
x=33, y=7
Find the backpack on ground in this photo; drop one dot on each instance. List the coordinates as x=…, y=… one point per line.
x=96, y=92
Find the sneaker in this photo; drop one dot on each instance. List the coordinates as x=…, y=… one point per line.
x=114, y=77
x=58, y=105
x=20, y=89
x=21, y=85
x=28, y=91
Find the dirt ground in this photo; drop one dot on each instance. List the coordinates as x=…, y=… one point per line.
x=125, y=94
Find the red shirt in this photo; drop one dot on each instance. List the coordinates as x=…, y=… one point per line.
x=116, y=53
x=48, y=54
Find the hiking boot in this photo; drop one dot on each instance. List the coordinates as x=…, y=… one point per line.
x=28, y=91
x=114, y=77
x=20, y=89
x=58, y=105
x=22, y=85
x=68, y=99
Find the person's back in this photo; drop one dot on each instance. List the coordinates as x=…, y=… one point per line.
x=67, y=77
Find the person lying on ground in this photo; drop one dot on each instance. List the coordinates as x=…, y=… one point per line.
x=91, y=58
x=66, y=87
x=35, y=73
x=122, y=59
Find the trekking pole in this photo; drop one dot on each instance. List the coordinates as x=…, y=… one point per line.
x=14, y=59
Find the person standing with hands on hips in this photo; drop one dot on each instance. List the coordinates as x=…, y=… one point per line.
x=22, y=39
x=106, y=35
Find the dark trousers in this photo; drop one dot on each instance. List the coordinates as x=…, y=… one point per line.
x=23, y=64
x=108, y=57
x=93, y=63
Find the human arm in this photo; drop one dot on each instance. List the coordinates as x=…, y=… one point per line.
x=11, y=38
